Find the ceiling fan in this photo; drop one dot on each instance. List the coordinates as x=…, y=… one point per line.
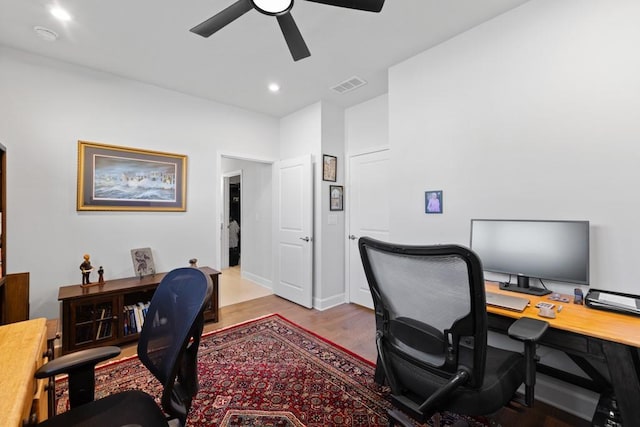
x=281, y=9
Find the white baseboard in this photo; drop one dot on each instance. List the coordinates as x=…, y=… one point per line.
x=258, y=280
x=328, y=303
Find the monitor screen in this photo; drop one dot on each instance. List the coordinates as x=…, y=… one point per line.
x=554, y=250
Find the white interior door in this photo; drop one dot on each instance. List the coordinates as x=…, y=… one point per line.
x=293, y=239
x=369, y=187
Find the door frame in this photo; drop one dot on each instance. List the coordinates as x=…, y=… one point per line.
x=219, y=207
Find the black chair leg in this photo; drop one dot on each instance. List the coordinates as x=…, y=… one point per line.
x=398, y=418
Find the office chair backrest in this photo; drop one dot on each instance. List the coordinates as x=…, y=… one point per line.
x=429, y=299
x=170, y=336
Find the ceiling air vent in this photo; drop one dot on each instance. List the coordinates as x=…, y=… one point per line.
x=349, y=85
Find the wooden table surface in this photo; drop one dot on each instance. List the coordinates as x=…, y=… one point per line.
x=606, y=325
x=20, y=348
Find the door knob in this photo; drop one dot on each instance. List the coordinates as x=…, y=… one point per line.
x=352, y=237
x=306, y=239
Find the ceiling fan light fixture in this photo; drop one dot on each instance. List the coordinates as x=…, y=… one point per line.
x=61, y=14
x=272, y=7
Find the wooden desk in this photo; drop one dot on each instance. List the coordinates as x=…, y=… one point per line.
x=22, y=350
x=605, y=345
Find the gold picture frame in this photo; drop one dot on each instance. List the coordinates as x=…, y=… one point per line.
x=112, y=178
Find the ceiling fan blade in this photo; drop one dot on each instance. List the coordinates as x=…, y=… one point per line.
x=291, y=33
x=367, y=5
x=223, y=18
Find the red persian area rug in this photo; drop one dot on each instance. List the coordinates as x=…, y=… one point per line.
x=267, y=372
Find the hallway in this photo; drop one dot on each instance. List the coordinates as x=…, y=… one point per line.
x=234, y=289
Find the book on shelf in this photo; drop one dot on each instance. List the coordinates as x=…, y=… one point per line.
x=125, y=322
x=139, y=319
x=134, y=315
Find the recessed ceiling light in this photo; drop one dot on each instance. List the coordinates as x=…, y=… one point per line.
x=61, y=14
x=45, y=33
x=274, y=87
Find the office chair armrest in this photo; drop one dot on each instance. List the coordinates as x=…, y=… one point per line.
x=527, y=329
x=76, y=361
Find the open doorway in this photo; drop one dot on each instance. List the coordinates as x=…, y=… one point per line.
x=245, y=213
x=234, y=217
x=231, y=217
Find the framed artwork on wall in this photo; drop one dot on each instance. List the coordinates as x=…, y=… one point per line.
x=433, y=202
x=336, y=197
x=329, y=167
x=114, y=178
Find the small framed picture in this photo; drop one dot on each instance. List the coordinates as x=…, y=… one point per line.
x=329, y=167
x=142, y=262
x=336, y=197
x=433, y=202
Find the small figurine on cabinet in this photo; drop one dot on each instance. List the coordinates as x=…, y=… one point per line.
x=86, y=269
x=101, y=275
x=193, y=262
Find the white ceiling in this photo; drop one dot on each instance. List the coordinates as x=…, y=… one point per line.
x=149, y=41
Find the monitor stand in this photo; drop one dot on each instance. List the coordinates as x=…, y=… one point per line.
x=523, y=287
x=531, y=291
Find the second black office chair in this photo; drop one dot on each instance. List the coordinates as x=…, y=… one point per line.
x=431, y=333
x=167, y=346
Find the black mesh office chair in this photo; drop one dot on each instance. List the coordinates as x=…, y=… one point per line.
x=431, y=333
x=167, y=346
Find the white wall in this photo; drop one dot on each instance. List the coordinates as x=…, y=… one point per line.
x=301, y=132
x=256, y=214
x=367, y=126
x=319, y=129
x=45, y=108
x=534, y=114
x=332, y=227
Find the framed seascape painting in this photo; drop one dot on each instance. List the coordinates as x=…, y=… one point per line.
x=114, y=178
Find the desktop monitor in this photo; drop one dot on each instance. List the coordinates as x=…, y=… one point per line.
x=553, y=250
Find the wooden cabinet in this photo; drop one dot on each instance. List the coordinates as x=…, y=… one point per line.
x=97, y=315
x=3, y=233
